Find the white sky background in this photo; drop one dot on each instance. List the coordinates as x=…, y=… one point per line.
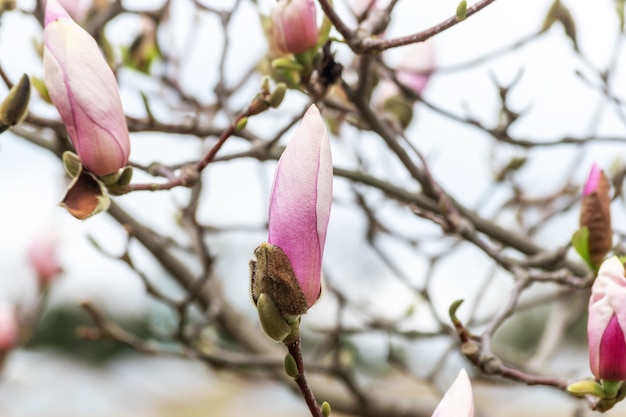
x=31, y=180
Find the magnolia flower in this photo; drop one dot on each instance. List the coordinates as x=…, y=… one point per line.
x=595, y=214
x=458, y=401
x=300, y=202
x=83, y=88
x=607, y=318
x=418, y=64
x=42, y=255
x=294, y=26
x=9, y=328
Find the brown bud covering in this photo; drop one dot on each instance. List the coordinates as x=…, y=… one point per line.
x=86, y=196
x=595, y=214
x=273, y=275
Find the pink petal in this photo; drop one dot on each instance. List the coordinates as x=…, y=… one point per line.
x=613, y=352
x=606, y=304
x=295, y=25
x=300, y=201
x=84, y=90
x=593, y=180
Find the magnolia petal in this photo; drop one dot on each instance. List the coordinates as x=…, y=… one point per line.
x=613, y=352
x=83, y=88
x=458, y=401
x=608, y=300
x=300, y=201
x=593, y=180
x=86, y=196
x=295, y=25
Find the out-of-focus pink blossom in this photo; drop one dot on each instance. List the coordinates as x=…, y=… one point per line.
x=300, y=201
x=607, y=321
x=43, y=257
x=294, y=26
x=9, y=327
x=417, y=66
x=458, y=401
x=84, y=90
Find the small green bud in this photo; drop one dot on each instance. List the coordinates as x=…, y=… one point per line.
x=272, y=321
x=14, y=108
x=325, y=409
x=110, y=179
x=287, y=64
x=125, y=177
x=461, y=10
x=71, y=163
x=242, y=123
x=41, y=88
x=265, y=85
x=290, y=366
x=586, y=387
x=277, y=95
x=258, y=105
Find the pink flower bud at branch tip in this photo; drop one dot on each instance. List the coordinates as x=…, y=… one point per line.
x=300, y=202
x=9, y=327
x=458, y=401
x=605, y=325
x=42, y=255
x=294, y=26
x=83, y=88
x=595, y=215
x=593, y=180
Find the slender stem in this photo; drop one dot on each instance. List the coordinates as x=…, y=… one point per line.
x=296, y=351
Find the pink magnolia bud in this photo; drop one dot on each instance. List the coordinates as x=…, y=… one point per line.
x=300, y=202
x=595, y=214
x=415, y=70
x=593, y=180
x=9, y=327
x=42, y=255
x=294, y=26
x=83, y=88
x=607, y=318
x=458, y=401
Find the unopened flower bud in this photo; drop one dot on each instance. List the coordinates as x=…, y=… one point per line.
x=14, y=108
x=294, y=26
x=272, y=320
x=595, y=214
x=84, y=90
x=291, y=368
x=43, y=257
x=606, y=323
x=277, y=95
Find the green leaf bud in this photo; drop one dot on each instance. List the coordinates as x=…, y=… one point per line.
x=14, y=108
x=325, y=409
x=461, y=10
x=290, y=366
